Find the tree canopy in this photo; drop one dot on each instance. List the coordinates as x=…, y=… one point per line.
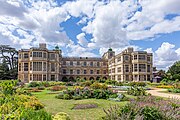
x=8, y=63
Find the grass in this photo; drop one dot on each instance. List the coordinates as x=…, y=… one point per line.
x=54, y=105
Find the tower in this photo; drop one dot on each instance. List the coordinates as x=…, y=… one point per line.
x=109, y=54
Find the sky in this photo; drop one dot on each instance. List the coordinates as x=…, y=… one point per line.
x=90, y=27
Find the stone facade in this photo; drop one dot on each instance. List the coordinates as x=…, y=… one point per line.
x=41, y=64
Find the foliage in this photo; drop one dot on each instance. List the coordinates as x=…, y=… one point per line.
x=85, y=93
x=175, y=68
x=97, y=85
x=8, y=87
x=165, y=86
x=136, y=91
x=30, y=114
x=118, y=98
x=17, y=104
x=145, y=108
x=86, y=83
x=8, y=68
x=174, y=90
x=57, y=88
x=141, y=84
x=61, y=116
x=34, y=84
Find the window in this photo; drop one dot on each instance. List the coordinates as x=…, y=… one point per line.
x=91, y=63
x=91, y=71
x=98, y=64
x=119, y=77
x=37, y=54
x=142, y=57
x=30, y=77
x=37, y=77
x=25, y=66
x=52, y=77
x=104, y=63
x=126, y=68
x=113, y=70
x=37, y=66
x=142, y=68
x=127, y=77
x=44, y=66
x=78, y=63
x=148, y=77
x=148, y=68
x=52, y=56
x=19, y=66
x=53, y=67
x=135, y=57
x=98, y=71
x=64, y=62
x=64, y=71
x=119, y=69
x=71, y=63
x=19, y=55
x=109, y=71
x=85, y=63
x=148, y=58
x=44, y=55
x=119, y=59
x=104, y=71
x=44, y=77
x=78, y=71
x=71, y=71
x=135, y=68
x=110, y=54
x=85, y=72
x=126, y=57
x=26, y=55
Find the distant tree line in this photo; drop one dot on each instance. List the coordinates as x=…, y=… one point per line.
x=8, y=62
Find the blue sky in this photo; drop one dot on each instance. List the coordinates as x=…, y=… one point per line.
x=90, y=27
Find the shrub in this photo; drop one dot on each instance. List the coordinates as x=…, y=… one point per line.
x=165, y=86
x=145, y=108
x=29, y=114
x=136, y=91
x=77, y=97
x=57, y=88
x=97, y=85
x=142, y=84
x=61, y=116
x=174, y=90
x=34, y=84
x=34, y=90
x=67, y=97
x=85, y=84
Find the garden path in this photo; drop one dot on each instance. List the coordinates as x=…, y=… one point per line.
x=157, y=92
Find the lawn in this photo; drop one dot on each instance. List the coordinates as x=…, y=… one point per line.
x=54, y=105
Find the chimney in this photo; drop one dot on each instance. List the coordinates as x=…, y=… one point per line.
x=42, y=45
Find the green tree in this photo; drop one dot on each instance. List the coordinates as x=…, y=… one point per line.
x=4, y=70
x=175, y=68
x=8, y=66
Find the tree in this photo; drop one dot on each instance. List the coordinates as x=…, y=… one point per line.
x=174, y=71
x=9, y=60
x=175, y=68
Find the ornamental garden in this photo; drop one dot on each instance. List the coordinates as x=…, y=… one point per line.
x=89, y=100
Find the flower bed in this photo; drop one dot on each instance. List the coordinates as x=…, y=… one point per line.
x=85, y=106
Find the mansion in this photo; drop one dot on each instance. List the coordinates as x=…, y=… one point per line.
x=41, y=64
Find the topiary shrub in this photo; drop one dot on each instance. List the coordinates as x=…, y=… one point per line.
x=61, y=116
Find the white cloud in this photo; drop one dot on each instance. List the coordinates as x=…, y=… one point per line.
x=81, y=39
x=166, y=55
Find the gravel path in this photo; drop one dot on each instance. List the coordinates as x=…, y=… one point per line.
x=157, y=92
